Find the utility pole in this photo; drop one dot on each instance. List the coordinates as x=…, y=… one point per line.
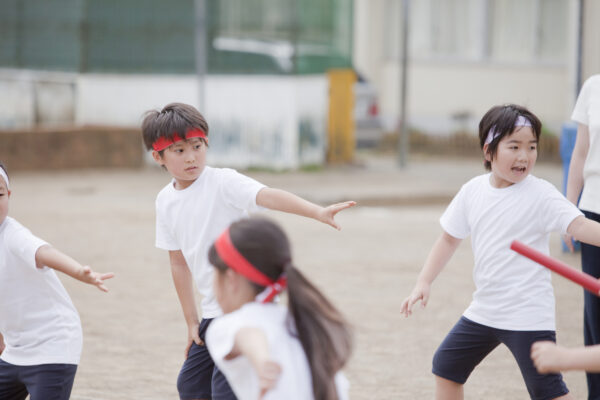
x=201, y=52
x=403, y=134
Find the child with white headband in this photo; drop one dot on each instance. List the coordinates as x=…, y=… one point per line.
x=197, y=204
x=513, y=303
x=40, y=330
x=266, y=350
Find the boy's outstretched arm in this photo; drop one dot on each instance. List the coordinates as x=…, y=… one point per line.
x=184, y=286
x=585, y=230
x=548, y=357
x=437, y=259
x=48, y=256
x=280, y=200
x=252, y=343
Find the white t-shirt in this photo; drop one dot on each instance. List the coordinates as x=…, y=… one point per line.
x=294, y=383
x=587, y=112
x=39, y=323
x=191, y=219
x=512, y=292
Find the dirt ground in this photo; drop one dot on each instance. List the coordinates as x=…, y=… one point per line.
x=134, y=336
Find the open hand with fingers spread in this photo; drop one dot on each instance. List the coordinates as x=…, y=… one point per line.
x=327, y=214
x=420, y=292
x=95, y=278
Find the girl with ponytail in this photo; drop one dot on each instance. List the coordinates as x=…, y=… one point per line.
x=263, y=349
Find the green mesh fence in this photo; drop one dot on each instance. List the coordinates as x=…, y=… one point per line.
x=156, y=36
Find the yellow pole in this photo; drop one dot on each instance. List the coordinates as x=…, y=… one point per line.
x=341, y=126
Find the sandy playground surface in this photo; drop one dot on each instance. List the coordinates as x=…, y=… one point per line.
x=134, y=336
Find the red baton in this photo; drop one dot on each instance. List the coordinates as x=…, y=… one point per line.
x=581, y=278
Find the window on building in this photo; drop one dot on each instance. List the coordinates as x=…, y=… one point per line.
x=504, y=31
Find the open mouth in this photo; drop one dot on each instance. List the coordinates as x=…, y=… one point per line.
x=519, y=169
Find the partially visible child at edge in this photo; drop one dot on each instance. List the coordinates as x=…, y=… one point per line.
x=513, y=302
x=191, y=211
x=266, y=350
x=40, y=330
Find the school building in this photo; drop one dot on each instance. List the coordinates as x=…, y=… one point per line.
x=466, y=55
x=263, y=64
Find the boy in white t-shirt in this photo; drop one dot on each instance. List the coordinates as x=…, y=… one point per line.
x=191, y=211
x=40, y=331
x=513, y=302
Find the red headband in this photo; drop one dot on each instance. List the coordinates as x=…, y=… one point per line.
x=162, y=142
x=236, y=261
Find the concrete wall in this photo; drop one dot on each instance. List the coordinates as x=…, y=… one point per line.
x=265, y=121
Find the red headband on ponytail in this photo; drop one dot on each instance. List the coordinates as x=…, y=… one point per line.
x=236, y=261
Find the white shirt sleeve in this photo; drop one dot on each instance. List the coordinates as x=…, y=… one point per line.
x=557, y=212
x=239, y=190
x=24, y=245
x=580, y=112
x=164, y=238
x=454, y=220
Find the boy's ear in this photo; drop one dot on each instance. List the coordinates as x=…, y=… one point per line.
x=157, y=157
x=486, y=153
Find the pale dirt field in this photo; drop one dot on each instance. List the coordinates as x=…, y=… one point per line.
x=135, y=335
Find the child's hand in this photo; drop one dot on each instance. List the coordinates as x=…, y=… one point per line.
x=327, y=214
x=568, y=240
x=193, y=337
x=268, y=373
x=95, y=278
x=420, y=292
x=547, y=356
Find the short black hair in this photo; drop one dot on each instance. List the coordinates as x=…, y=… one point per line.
x=174, y=118
x=502, y=120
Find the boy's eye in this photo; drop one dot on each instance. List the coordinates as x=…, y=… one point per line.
x=198, y=146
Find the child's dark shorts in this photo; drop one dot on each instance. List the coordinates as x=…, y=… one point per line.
x=468, y=343
x=41, y=382
x=199, y=377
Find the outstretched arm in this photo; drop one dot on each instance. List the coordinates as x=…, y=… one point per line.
x=48, y=256
x=585, y=230
x=549, y=357
x=575, y=180
x=184, y=286
x=437, y=259
x=280, y=200
x=252, y=343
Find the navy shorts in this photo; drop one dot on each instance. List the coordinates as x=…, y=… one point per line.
x=199, y=377
x=41, y=382
x=468, y=343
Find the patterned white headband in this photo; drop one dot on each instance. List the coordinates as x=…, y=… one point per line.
x=492, y=134
x=5, y=177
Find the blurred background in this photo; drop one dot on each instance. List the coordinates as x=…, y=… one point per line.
x=286, y=84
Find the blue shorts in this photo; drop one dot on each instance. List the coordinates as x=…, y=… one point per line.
x=468, y=343
x=41, y=382
x=199, y=377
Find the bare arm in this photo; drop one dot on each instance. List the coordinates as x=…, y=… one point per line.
x=549, y=357
x=438, y=257
x=252, y=343
x=2, y=345
x=280, y=200
x=48, y=256
x=580, y=151
x=575, y=180
x=184, y=286
x=585, y=230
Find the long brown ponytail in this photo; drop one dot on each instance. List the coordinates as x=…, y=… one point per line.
x=321, y=329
